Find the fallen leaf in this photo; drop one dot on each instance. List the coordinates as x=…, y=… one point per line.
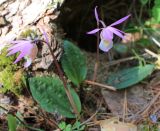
x=114, y=124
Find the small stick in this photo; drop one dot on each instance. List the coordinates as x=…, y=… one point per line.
x=120, y=60
x=151, y=53
x=150, y=104
x=100, y=85
x=89, y=119
x=125, y=105
x=92, y=116
x=124, y=60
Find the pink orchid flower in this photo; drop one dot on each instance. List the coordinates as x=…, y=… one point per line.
x=27, y=48
x=107, y=32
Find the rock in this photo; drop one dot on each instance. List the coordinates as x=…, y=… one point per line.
x=2, y=1
x=3, y=21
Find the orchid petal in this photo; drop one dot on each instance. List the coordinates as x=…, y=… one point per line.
x=115, y=31
x=20, y=41
x=119, y=30
x=33, y=52
x=17, y=45
x=45, y=35
x=28, y=62
x=13, y=52
x=18, y=49
x=93, y=31
x=103, y=24
x=26, y=49
x=120, y=20
x=105, y=45
x=96, y=14
x=22, y=54
x=106, y=34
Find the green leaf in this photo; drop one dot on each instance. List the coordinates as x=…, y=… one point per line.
x=156, y=11
x=75, y=98
x=12, y=125
x=68, y=127
x=78, y=127
x=74, y=63
x=62, y=125
x=127, y=77
x=156, y=3
x=156, y=14
x=49, y=92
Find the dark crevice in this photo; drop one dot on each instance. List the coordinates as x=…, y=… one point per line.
x=77, y=18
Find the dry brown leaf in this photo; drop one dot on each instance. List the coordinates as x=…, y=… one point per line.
x=114, y=124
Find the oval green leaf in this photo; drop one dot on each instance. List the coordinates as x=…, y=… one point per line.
x=74, y=63
x=50, y=94
x=127, y=77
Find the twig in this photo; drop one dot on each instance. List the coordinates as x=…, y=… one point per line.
x=100, y=85
x=120, y=60
x=151, y=53
x=125, y=105
x=92, y=116
x=150, y=104
x=51, y=122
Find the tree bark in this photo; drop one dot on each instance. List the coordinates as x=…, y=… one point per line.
x=17, y=16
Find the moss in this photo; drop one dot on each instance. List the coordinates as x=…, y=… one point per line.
x=29, y=33
x=5, y=61
x=10, y=77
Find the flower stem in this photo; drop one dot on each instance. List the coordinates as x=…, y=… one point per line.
x=64, y=81
x=97, y=56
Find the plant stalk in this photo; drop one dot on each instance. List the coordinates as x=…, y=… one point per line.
x=97, y=56
x=64, y=81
